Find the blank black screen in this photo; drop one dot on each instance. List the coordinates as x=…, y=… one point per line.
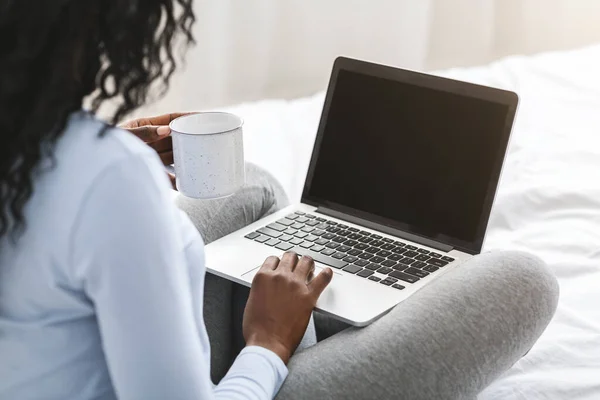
x=409, y=154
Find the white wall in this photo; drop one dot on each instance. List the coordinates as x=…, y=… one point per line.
x=253, y=49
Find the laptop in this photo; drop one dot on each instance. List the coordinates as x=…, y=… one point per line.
x=398, y=192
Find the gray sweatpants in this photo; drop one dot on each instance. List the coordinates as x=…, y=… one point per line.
x=448, y=341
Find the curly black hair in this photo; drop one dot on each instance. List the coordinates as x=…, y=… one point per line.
x=54, y=54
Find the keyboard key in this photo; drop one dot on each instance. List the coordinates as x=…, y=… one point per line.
x=270, y=232
x=339, y=239
x=446, y=258
x=272, y=242
x=308, y=229
x=388, y=246
x=411, y=254
x=302, y=220
x=290, y=231
x=252, y=235
x=262, y=239
x=343, y=233
x=318, y=232
x=343, y=226
x=351, y=243
x=300, y=213
x=328, y=236
x=365, y=233
x=354, y=236
x=332, y=222
x=362, y=263
x=296, y=241
x=430, y=268
x=352, y=269
x=322, y=226
x=377, y=243
x=332, y=245
x=395, y=257
x=384, y=270
x=365, y=239
x=386, y=282
x=373, y=267
x=361, y=246
x=399, y=244
x=418, y=264
x=298, y=225
x=312, y=223
x=322, y=257
x=407, y=261
x=353, y=230
x=354, y=252
x=284, y=246
x=365, y=256
x=338, y=255
x=437, y=262
x=422, y=257
x=399, y=250
x=277, y=227
x=311, y=238
x=410, y=247
x=292, y=216
x=317, y=248
x=320, y=219
x=285, y=222
x=397, y=286
x=301, y=235
x=365, y=273
x=416, y=272
x=322, y=241
x=384, y=253
x=328, y=252
x=374, y=278
x=404, y=277
x=400, y=267
x=344, y=248
x=310, y=216
x=307, y=245
x=372, y=250
x=388, y=240
x=350, y=259
x=377, y=259
x=435, y=255
x=285, y=238
x=388, y=263
x=389, y=278
x=333, y=229
x=423, y=251
x=376, y=236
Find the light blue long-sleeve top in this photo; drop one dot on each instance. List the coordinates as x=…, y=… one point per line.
x=101, y=298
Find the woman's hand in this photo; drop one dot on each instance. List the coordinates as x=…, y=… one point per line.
x=156, y=133
x=281, y=302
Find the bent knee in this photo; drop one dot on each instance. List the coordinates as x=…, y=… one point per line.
x=528, y=275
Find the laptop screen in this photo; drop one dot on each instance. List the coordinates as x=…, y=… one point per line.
x=413, y=157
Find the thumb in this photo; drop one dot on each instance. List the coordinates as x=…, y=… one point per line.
x=320, y=282
x=150, y=133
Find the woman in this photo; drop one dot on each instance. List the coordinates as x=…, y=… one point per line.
x=102, y=277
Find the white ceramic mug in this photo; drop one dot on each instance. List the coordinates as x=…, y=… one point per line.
x=208, y=149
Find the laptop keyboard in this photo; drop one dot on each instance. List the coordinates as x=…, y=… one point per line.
x=389, y=262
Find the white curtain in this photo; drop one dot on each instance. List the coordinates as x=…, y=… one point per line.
x=254, y=49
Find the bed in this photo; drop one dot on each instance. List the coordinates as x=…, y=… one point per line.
x=548, y=202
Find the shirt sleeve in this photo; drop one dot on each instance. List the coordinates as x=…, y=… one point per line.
x=141, y=263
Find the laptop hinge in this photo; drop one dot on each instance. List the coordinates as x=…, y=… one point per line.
x=385, y=229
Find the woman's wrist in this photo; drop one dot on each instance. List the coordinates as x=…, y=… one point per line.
x=273, y=345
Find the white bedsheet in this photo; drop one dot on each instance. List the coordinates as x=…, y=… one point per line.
x=548, y=201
